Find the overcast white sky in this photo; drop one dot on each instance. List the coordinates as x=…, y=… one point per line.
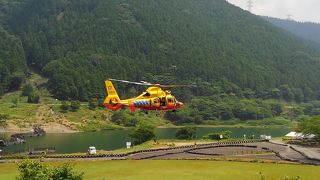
x=301, y=10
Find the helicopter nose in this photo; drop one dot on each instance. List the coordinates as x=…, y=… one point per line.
x=179, y=104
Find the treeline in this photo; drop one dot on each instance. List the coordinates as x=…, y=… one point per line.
x=236, y=110
x=79, y=44
x=12, y=62
x=307, y=30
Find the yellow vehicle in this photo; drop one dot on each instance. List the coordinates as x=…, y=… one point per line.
x=154, y=98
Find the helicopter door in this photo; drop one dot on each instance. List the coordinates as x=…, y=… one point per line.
x=170, y=102
x=163, y=101
x=156, y=102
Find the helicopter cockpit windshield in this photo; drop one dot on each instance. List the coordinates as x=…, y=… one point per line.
x=146, y=94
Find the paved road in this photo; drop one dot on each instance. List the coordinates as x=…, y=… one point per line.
x=312, y=153
x=247, y=150
x=237, y=150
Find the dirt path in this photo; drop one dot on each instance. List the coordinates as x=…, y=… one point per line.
x=52, y=122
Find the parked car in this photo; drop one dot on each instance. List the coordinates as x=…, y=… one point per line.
x=92, y=150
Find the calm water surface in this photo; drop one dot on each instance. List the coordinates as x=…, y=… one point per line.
x=114, y=139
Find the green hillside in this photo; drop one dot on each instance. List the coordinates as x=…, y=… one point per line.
x=244, y=67
x=78, y=44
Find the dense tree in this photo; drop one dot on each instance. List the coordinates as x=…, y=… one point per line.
x=311, y=126
x=142, y=133
x=12, y=62
x=33, y=97
x=286, y=92
x=123, y=118
x=27, y=90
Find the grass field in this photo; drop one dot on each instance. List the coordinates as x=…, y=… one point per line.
x=183, y=169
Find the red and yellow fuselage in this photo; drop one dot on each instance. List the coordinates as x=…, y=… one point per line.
x=154, y=98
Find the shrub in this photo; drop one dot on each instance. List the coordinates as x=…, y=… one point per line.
x=311, y=126
x=33, y=98
x=64, y=106
x=34, y=170
x=93, y=103
x=75, y=105
x=186, y=133
x=218, y=136
x=14, y=102
x=3, y=120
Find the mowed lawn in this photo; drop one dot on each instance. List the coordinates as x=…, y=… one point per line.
x=183, y=169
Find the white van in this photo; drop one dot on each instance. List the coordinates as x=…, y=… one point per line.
x=92, y=150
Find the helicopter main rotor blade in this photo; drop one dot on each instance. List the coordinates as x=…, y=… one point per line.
x=143, y=83
x=131, y=82
x=173, y=86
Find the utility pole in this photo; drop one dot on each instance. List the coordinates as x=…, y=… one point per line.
x=250, y=5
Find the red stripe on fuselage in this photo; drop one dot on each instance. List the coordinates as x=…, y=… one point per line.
x=113, y=108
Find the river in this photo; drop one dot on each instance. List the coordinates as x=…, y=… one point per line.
x=114, y=139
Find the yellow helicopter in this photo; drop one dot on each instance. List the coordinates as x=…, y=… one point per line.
x=154, y=98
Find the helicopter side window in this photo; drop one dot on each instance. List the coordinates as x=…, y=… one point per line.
x=156, y=101
x=170, y=100
x=146, y=94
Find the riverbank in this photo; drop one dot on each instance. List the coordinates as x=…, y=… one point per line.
x=50, y=128
x=225, y=126
x=56, y=128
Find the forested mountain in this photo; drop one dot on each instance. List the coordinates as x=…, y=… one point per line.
x=77, y=44
x=307, y=30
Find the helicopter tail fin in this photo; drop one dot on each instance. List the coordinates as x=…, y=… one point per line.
x=112, y=101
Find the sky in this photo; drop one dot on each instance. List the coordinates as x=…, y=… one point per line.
x=300, y=10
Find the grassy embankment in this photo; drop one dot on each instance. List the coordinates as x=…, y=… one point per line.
x=173, y=169
x=48, y=112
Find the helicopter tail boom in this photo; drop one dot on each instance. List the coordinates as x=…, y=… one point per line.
x=112, y=101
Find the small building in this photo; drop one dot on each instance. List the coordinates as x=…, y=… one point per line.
x=296, y=136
